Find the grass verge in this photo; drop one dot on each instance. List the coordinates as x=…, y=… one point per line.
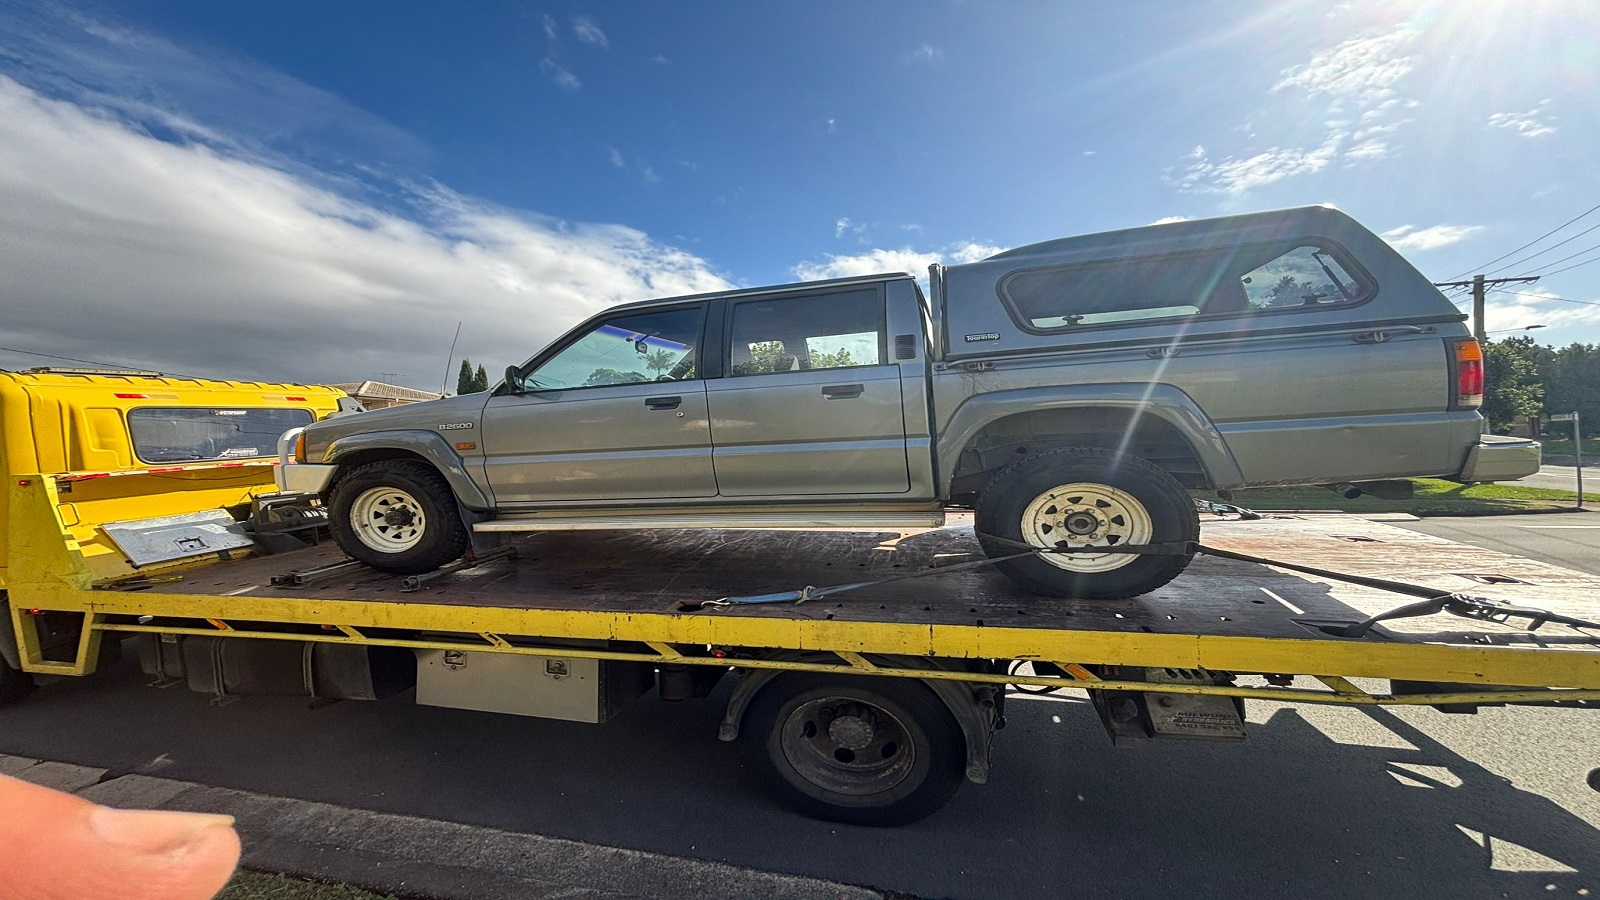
x=1433, y=498
x=261, y=886
x=1591, y=448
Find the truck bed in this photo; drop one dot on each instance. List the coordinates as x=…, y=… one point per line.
x=662, y=572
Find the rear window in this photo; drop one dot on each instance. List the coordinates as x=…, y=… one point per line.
x=202, y=434
x=1247, y=279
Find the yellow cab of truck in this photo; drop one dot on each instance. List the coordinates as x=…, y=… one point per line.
x=129, y=447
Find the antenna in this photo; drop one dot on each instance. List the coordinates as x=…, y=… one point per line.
x=444, y=386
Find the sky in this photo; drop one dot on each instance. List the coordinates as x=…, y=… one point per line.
x=323, y=192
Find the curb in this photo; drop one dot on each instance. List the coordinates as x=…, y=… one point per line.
x=424, y=858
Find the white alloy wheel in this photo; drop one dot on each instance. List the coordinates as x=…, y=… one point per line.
x=387, y=519
x=1085, y=514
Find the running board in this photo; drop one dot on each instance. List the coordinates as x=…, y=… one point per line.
x=881, y=520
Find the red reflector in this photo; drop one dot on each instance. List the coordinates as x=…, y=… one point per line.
x=296, y=399
x=130, y=396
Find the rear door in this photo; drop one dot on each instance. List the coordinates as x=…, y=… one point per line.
x=809, y=403
x=617, y=413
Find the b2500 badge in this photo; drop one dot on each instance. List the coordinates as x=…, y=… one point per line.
x=455, y=426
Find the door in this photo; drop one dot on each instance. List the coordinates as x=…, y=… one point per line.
x=616, y=413
x=809, y=403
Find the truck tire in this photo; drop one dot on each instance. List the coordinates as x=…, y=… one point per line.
x=862, y=750
x=1086, y=497
x=397, y=516
x=14, y=683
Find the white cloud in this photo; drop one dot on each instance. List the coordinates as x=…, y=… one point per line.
x=553, y=71
x=1530, y=124
x=117, y=246
x=648, y=173
x=1168, y=220
x=833, y=125
x=588, y=32
x=550, y=26
x=925, y=53
x=616, y=158
x=1511, y=313
x=1351, y=93
x=1410, y=237
x=841, y=226
x=879, y=261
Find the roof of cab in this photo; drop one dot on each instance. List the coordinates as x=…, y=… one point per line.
x=769, y=289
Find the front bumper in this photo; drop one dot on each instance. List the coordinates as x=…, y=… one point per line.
x=304, y=478
x=1497, y=458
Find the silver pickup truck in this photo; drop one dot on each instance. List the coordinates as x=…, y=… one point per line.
x=1072, y=392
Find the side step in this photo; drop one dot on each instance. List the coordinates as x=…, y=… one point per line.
x=610, y=520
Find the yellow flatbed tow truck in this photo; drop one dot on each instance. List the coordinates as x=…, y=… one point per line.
x=865, y=694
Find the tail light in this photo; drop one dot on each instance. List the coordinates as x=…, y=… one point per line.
x=1467, y=359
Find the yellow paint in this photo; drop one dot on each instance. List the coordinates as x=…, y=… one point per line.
x=63, y=424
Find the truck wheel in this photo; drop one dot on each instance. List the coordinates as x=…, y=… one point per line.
x=397, y=516
x=14, y=684
x=1086, y=497
x=862, y=750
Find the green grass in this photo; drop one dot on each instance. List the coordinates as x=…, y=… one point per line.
x=1433, y=497
x=261, y=886
x=1591, y=448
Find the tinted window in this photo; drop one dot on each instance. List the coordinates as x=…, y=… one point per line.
x=823, y=331
x=1227, y=281
x=203, y=434
x=654, y=346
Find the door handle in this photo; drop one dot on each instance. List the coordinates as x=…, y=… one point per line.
x=843, y=391
x=663, y=402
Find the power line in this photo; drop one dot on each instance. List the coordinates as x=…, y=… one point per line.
x=92, y=362
x=1525, y=246
x=1574, y=266
x=1548, y=249
x=1547, y=296
x=1572, y=256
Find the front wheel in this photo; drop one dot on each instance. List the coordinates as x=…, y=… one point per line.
x=861, y=750
x=14, y=683
x=1082, y=498
x=397, y=516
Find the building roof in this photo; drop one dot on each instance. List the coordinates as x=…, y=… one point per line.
x=377, y=390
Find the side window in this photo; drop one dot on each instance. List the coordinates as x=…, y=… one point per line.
x=651, y=346
x=1304, y=276
x=820, y=331
x=1225, y=281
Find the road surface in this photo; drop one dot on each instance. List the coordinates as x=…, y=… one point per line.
x=1562, y=478
x=1566, y=539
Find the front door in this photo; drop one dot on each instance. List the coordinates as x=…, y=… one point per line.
x=617, y=413
x=809, y=403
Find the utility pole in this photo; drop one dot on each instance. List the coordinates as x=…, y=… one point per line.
x=1480, y=285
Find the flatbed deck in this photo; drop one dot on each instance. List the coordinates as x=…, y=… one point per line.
x=632, y=587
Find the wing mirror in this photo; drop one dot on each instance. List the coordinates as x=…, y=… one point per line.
x=513, y=380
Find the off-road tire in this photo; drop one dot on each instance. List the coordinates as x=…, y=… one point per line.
x=442, y=538
x=922, y=770
x=14, y=683
x=1129, y=483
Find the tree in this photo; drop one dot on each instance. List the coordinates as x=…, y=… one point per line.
x=480, y=382
x=1572, y=381
x=464, y=379
x=1512, y=388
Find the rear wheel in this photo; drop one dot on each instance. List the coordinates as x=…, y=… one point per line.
x=398, y=516
x=861, y=750
x=14, y=683
x=1082, y=498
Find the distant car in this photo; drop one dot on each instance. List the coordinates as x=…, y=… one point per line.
x=1070, y=391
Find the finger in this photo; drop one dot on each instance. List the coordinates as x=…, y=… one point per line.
x=55, y=846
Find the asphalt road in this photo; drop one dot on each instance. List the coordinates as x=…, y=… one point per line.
x=1562, y=478
x=1568, y=539
x=1317, y=803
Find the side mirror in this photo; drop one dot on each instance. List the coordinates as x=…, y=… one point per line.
x=513, y=380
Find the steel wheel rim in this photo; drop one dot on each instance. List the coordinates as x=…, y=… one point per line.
x=388, y=519
x=847, y=746
x=1086, y=514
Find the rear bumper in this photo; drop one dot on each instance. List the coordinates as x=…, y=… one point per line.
x=1496, y=458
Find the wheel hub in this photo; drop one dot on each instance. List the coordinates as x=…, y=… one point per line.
x=853, y=729
x=1082, y=515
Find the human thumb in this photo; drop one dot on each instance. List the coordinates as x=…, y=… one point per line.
x=55, y=846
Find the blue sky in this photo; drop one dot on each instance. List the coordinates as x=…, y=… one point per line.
x=317, y=191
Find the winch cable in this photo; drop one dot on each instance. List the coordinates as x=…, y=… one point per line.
x=1432, y=601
